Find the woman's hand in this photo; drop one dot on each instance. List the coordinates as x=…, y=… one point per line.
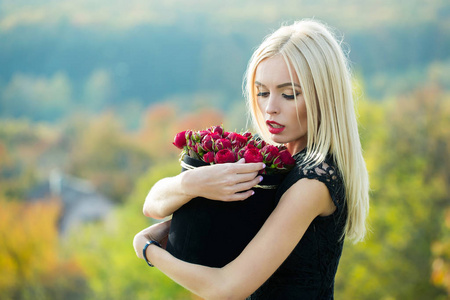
x=158, y=232
x=224, y=182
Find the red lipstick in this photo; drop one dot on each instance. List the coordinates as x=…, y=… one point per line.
x=274, y=127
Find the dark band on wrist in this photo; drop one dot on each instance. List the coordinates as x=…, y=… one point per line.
x=145, y=250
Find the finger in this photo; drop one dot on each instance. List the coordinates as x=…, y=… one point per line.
x=241, y=161
x=241, y=196
x=244, y=177
x=248, y=167
x=247, y=185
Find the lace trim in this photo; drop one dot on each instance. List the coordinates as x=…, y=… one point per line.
x=327, y=174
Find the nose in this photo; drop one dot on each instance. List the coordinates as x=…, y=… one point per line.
x=272, y=105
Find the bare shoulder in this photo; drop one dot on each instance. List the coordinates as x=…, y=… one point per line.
x=310, y=194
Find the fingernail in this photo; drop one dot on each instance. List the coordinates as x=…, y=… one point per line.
x=253, y=192
x=264, y=166
x=260, y=178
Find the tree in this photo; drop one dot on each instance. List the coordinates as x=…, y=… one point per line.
x=31, y=265
x=407, y=144
x=106, y=253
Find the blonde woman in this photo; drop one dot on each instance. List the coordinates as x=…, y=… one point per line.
x=299, y=94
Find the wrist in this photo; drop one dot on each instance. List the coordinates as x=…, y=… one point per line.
x=144, y=251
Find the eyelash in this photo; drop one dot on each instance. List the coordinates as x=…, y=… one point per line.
x=288, y=97
x=262, y=94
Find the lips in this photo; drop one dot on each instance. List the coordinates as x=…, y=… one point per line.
x=274, y=127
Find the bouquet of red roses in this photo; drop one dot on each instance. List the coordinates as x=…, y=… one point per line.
x=213, y=233
x=216, y=146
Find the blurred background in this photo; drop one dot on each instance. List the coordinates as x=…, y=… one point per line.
x=92, y=93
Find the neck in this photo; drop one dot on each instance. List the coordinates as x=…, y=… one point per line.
x=295, y=148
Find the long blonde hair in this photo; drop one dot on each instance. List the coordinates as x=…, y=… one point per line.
x=316, y=57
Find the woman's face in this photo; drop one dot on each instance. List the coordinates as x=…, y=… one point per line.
x=276, y=103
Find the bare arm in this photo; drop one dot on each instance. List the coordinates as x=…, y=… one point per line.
x=223, y=182
x=260, y=259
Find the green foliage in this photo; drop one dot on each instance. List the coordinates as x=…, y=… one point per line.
x=103, y=152
x=120, y=63
x=106, y=254
x=407, y=144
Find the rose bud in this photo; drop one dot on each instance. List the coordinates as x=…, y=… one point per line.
x=180, y=139
x=195, y=148
x=190, y=143
x=287, y=158
x=207, y=143
x=269, y=152
x=224, y=156
x=196, y=136
x=199, y=149
x=188, y=134
x=253, y=155
x=278, y=163
x=237, y=139
x=248, y=135
x=260, y=144
x=215, y=136
x=240, y=153
x=203, y=133
x=222, y=144
x=208, y=157
x=251, y=145
x=216, y=129
x=226, y=134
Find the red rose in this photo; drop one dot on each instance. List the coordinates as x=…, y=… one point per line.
x=253, y=155
x=257, y=143
x=190, y=143
x=208, y=157
x=216, y=129
x=180, y=139
x=287, y=158
x=278, y=163
x=207, y=143
x=240, y=153
x=196, y=136
x=222, y=144
x=269, y=152
x=248, y=135
x=224, y=156
x=215, y=136
x=237, y=140
x=260, y=144
x=250, y=145
x=203, y=133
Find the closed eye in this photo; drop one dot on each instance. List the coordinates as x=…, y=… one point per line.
x=263, y=94
x=290, y=97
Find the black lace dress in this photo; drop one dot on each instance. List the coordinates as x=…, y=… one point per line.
x=309, y=271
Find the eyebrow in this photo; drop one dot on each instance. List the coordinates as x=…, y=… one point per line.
x=280, y=85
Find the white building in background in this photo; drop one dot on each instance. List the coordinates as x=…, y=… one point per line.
x=80, y=201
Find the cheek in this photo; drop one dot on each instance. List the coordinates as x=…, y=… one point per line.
x=260, y=106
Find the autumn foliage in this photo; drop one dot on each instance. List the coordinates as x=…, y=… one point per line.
x=405, y=256
x=30, y=261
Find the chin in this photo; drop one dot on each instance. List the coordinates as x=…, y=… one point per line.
x=277, y=139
